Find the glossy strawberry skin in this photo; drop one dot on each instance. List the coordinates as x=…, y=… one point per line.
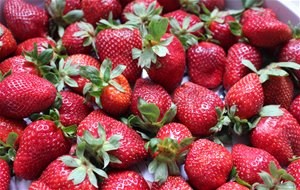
x=294, y=170
x=41, y=143
x=201, y=173
x=247, y=95
x=18, y=64
x=279, y=136
x=175, y=131
x=191, y=98
x=169, y=5
x=295, y=108
x=234, y=69
x=25, y=20
x=173, y=182
x=131, y=150
x=4, y=175
x=206, y=63
x=28, y=45
x=169, y=70
x=266, y=32
x=151, y=93
x=126, y=180
x=95, y=10
x=117, y=45
x=212, y=4
x=24, y=94
x=10, y=125
x=251, y=161
x=263, y=12
x=37, y=185
x=8, y=41
x=73, y=109
x=232, y=186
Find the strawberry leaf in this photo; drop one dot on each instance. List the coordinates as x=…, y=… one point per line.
x=73, y=16
x=271, y=111
x=157, y=28
x=250, y=65
x=77, y=175
x=92, y=178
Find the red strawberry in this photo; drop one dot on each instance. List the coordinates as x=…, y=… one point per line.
x=247, y=95
x=8, y=43
x=206, y=62
x=28, y=45
x=125, y=2
x=117, y=45
x=295, y=108
x=263, y=12
x=279, y=136
x=234, y=69
x=8, y=125
x=173, y=182
x=4, y=175
x=266, y=32
x=212, y=4
x=24, y=94
x=37, y=185
x=131, y=148
x=232, y=186
x=294, y=170
x=25, y=20
x=169, y=5
x=41, y=143
x=73, y=108
x=95, y=10
x=201, y=172
x=191, y=98
x=18, y=64
x=251, y=161
x=127, y=180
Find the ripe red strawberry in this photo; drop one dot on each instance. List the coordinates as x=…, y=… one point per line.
x=131, y=150
x=28, y=45
x=24, y=94
x=251, y=161
x=117, y=45
x=191, y=98
x=201, y=172
x=169, y=5
x=234, y=69
x=127, y=180
x=73, y=109
x=95, y=10
x=18, y=64
x=263, y=12
x=206, y=63
x=173, y=182
x=4, y=175
x=266, y=32
x=247, y=95
x=294, y=170
x=25, y=20
x=9, y=125
x=232, y=186
x=295, y=108
x=8, y=43
x=279, y=136
x=41, y=143
x=37, y=185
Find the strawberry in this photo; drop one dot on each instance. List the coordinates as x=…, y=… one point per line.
x=278, y=136
x=206, y=62
x=191, y=98
x=37, y=185
x=201, y=172
x=234, y=69
x=28, y=45
x=8, y=43
x=8, y=125
x=169, y=5
x=266, y=32
x=232, y=186
x=295, y=108
x=131, y=149
x=24, y=94
x=116, y=45
x=263, y=12
x=127, y=180
x=4, y=175
x=125, y=2
x=25, y=20
x=173, y=182
x=18, y=64
x=294, y=170
x=95, y=10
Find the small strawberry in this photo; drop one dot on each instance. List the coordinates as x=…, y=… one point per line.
x=28, y=45
x=232, y=186
x=25, y=20
x=24, y=94
x=295, y=108
x=263, y=12
x=191, y=98
x=206, y=62
x=8, y=43
x=294, y=170
x=173, y=182
x=8, y=125
x=201, y=172
x=18, y=64
x=4, y=175
x=124, y=180
x=169, y=5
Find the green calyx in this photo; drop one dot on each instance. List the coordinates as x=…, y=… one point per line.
x=236, y=28
x=153, y=46
x=86, y=32
x=295, y=30
x=149, y=121
x=191, y=6
x=252, y=3
x=111, y=24
x=1, y=33
x=3, y=76
x=101, y=79
x=7, y=149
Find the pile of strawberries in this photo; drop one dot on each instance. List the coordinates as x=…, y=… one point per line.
x=76, y=113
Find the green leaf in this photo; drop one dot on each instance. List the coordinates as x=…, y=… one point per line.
x=148, y=110
x=161, y=51
x=80, y=149
x=115, y=140
x=286, y=186
x=11, y=139
x=235, y=28
x=146, y=58
x=46, y=56
x=69, y=161
x=291, y=65
x=1, y=32
x=161, y=173
x=77, y=175
x=117, y=71
x=116, y=85
x=100, y=172
x=250, y=65
x=136, y=53
x=271, y=110
x=70, y=82
x=169, y=115
x=157, y=28
x=268, y=180
x=153, y=166
x=92, y=178
x=167, y=41
x=73, y=16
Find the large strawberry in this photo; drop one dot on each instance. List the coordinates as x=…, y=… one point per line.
x=172, y=182
x=8, y=43
x=28, y=45
x=232, y=186
x=263, y=12
x=18, y=64
x=24, y=94
x=234, y=69
x=191, y=98
x=124, y=180
x=4, y=175
x=279, y=136
x=201, y=172
x=25, y=20
x=206, y=62
x=295, y=108
x=294, y=170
